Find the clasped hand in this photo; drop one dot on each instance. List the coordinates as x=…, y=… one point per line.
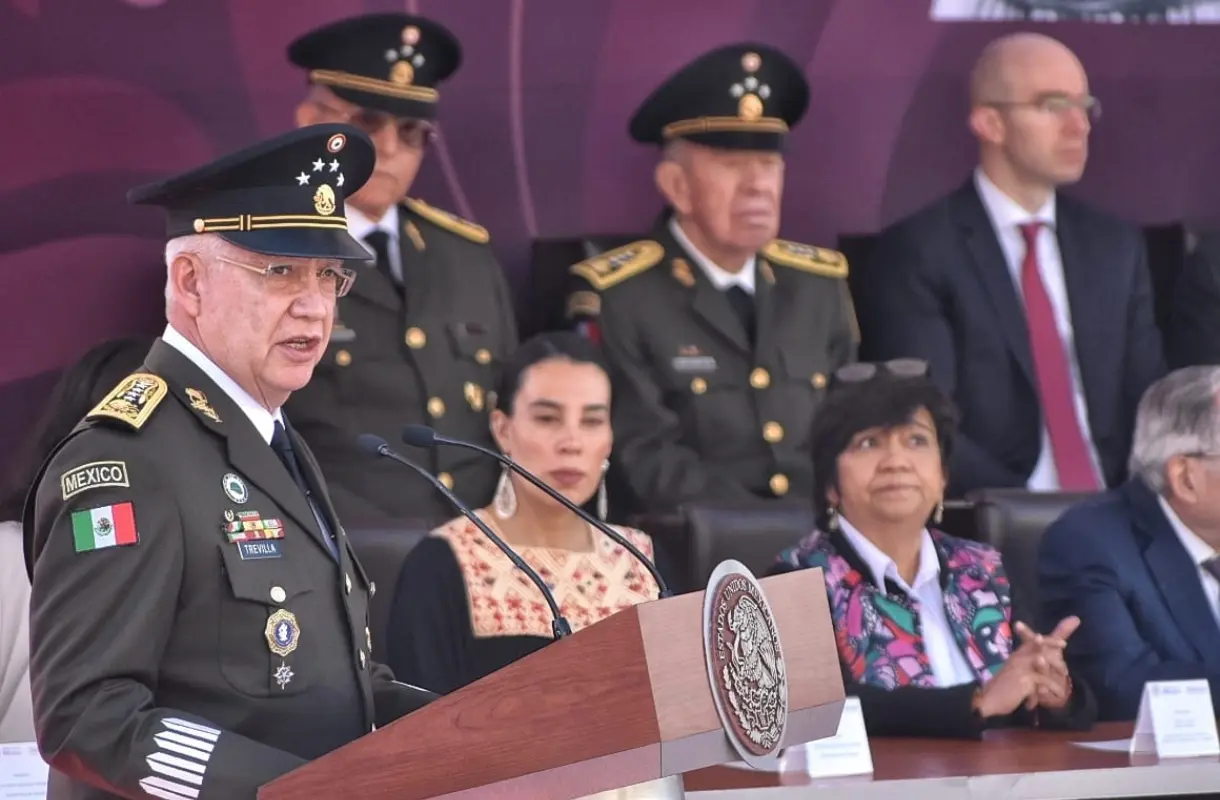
x=1035, y=675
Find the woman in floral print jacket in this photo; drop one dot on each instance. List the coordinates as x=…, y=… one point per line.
x=925, y=625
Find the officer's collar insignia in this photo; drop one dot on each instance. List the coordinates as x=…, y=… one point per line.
x=764, y=269
x=199, y=402
x=682, y=273
x=415, y=236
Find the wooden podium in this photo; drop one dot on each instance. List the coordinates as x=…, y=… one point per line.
x=619, y=703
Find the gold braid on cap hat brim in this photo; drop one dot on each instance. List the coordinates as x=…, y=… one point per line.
x=687, y=127
x=346, y=80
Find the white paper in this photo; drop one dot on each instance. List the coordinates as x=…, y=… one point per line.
x=845, y=753
x=1111, y=746
x=1176, y=720
x=23, y=773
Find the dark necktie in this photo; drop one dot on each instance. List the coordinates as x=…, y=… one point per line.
x=282, y=446
x=743, y=306
x=379, y=240
x=1212, y=565
x=1053, y=371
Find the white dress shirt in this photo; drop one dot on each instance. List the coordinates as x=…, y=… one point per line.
x=359, y=226
x=948, y=662
x=262, y=419
x=1199, y=551
x=721, y=278
x=1006, y=218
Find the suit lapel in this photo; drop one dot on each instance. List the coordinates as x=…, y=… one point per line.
x=765, y=301
x=1175, y=574
x=991, y=267
x=1091, y=332
x=708, y=302
x=251, y=457
x=374, y=287
x=419, y=271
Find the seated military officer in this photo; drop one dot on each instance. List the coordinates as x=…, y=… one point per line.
x=421, y=336
x=719, y=336
x=198, y=620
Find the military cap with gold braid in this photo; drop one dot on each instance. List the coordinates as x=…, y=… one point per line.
x=389, y=62
x=739, y=97
x=281, y=197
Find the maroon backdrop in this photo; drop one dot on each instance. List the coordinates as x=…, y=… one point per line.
x=534, y=143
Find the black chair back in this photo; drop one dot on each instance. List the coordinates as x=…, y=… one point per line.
x=752, y=536
x=550, y=282
x=1013, y=521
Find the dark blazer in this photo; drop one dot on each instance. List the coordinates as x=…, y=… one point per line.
x=939, y=288
x=431, y=359
x=1193, y=334
x=170, y=637
x=1115, y=562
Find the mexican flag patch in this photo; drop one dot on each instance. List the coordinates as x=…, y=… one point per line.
x=108, y=526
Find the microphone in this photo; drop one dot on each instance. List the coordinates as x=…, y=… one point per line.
x=425, y=437
x=375, y=445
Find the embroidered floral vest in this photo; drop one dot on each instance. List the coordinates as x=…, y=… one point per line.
x=588, y=586
x=878, y=635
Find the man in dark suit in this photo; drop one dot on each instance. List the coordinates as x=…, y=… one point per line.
x=198, y=618
x=720, y=337
x=1193, y=334
x=1033, y=310
x=1139, y=564
x=421, y=336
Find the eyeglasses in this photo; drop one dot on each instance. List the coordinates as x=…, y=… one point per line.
x=1056, y=105
x=412, y=133
x=862, y=371
x=293, y=278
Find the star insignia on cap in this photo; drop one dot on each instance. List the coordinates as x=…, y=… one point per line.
x=334, y=165
x=318, y=165
x=303, y=179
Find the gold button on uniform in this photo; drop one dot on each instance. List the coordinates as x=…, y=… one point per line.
x=363, y=659
x=416, y=338
x=368, y=638
x=278, y=595
x=372, y=588
x=482, y=355
x=698, y=386
x=446, y=480
x=343, y=358
x=779, y=484
x=773, y=432
x=760, y=378
x=436, y=407
x=347, y=583
x=818, y=380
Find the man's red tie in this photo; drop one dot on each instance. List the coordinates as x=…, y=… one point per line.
x=1054, y=374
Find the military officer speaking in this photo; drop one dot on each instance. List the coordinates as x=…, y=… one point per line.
x=198, y=619
x=421, y=335
x=721, y=338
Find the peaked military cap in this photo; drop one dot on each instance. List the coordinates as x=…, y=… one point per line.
x=389, y=62
x=739, y=97
x=281, y=197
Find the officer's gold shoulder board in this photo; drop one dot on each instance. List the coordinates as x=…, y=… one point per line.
x=818, y=260
x=133, y=401
x=450, y=222
x=617, y=265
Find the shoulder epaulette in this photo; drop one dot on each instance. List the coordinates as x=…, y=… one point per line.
x=617, y=265
x=133, y=401
x=818, y=260
x=450, y=222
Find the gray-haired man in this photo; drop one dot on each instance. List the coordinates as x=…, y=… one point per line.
x=1139, y=564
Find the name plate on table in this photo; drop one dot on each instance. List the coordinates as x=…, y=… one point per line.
x=1176, y=720
x=23, y=773
x=845, y=753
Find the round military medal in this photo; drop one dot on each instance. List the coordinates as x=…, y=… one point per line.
x=235, y=488
x=282, y=632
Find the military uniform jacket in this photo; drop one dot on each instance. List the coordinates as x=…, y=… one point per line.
x=698, y=412
x=155, y=612
x=430, y=360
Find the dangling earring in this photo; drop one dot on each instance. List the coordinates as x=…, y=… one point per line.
x=602, y=502
x=938, y=513
x=505, y=501
x=832, y=520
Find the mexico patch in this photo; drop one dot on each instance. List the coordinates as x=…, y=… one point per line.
x=93, y=476
x=107, y=526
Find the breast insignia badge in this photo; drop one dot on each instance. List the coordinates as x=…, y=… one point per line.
x=235, y=488
x=745, y=664
x=283, y=632
x=283, y=674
